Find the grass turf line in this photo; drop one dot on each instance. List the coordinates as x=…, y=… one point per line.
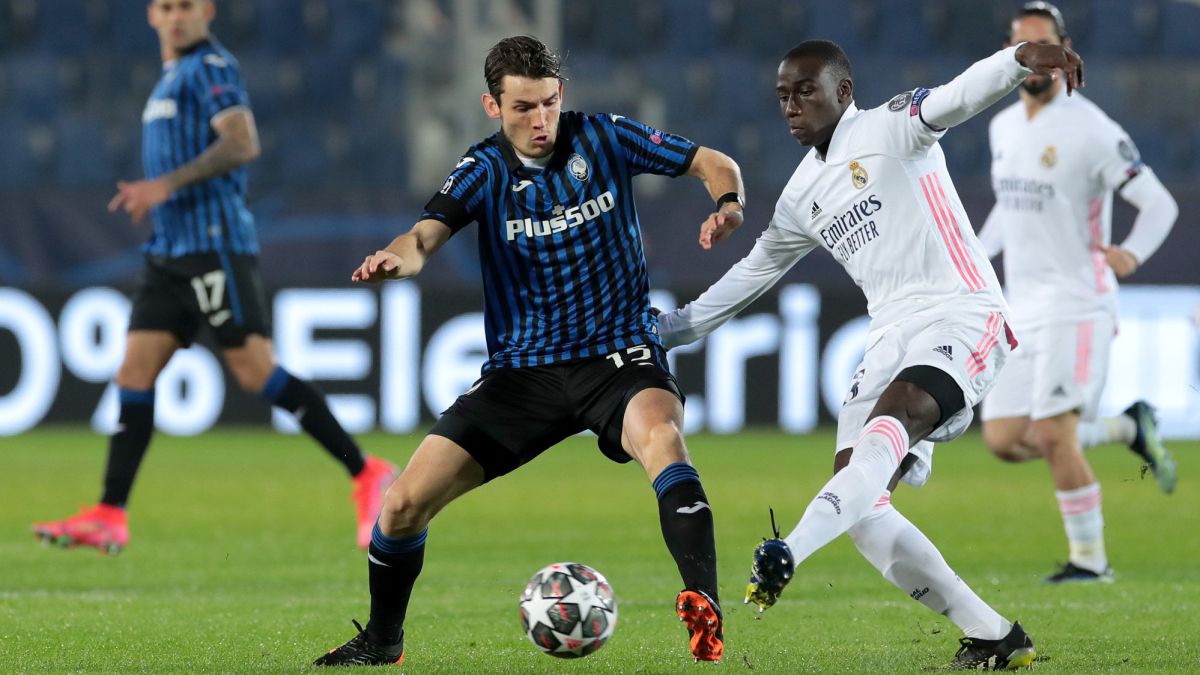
x=243, y=559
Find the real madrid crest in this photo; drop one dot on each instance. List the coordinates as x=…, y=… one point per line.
x=1049, y=157
x=578, y=167
x=858, y=175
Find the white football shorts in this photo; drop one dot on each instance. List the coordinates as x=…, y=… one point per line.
x=1059, y=367
x=971, y=344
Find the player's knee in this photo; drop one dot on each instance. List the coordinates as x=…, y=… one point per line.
x=661, y=445
x=1003, y=445
x=402, y=514
x=134, y=376
x=667, y=437
x=250, y=383
x=912, y=405
x=1050, y=439
x=1011, y=453
x=250, y=377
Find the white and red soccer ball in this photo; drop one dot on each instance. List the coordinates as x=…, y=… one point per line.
x=568, y=610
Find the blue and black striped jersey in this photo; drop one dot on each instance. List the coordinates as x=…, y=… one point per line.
x=560, y=248
x=177, y=125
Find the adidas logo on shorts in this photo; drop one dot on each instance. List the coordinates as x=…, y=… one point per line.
x=946, y=351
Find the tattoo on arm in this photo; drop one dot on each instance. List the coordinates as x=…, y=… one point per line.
x=236, y=144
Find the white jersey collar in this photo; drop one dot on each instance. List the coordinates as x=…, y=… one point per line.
x=1059, y=99
x=837, y=143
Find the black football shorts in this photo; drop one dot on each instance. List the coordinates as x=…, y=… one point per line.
x=511, y=415
x=220, y=290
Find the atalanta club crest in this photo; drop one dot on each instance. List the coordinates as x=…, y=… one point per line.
x=578, y=167
x=858, y=175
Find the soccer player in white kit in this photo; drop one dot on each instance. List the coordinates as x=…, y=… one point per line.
x=1056, y=161
x=874, y=191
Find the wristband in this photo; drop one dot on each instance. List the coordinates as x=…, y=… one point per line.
x=729, y=197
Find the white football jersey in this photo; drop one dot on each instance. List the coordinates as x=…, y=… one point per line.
x=882, y=203
x=1054, y=178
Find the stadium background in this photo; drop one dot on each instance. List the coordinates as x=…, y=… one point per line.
x=242, y=555
x=364, y=105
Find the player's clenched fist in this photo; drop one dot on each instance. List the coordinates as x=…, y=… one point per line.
x=1044, y=59
x=377, y=267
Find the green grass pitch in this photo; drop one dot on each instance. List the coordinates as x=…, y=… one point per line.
x=243, y=559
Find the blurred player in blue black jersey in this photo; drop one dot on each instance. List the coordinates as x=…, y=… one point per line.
x=573, y=343
x=201, y=269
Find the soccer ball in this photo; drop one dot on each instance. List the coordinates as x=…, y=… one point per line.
x=568, y=610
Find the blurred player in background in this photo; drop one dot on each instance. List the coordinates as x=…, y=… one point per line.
x=572, y=341
x=198, y=135
x=1056, y=161
x=875, y=192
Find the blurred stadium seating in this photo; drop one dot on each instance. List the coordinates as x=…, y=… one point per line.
x=370, y=95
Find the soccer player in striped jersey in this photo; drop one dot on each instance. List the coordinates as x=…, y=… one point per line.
x=1056, y=161
x=875, y=192
x=572, y=341
x=198, y=135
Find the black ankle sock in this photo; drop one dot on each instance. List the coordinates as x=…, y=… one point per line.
x=394, y=564
x=687, y=526
x=128, y=445
x=308, y=405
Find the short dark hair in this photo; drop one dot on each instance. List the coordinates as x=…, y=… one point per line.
x=522, y=56
x=828, y=53
x=1046, y=11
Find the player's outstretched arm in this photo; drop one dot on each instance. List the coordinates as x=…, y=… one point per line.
x=990, y=79
x=775, y=252
x=723, y=179
x=236, y=144
x=406, y=255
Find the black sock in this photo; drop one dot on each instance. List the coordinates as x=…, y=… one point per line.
x=687, y=526
x=394, y=564
x=128, y=445
x=308, y=405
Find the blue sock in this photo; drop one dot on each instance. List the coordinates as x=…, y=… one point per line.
x=274, y=387
x=679, y=472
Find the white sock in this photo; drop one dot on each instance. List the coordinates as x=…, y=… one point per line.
x=1084, y=523
x=906, y=557
x=1115, y=429
x=851, y=493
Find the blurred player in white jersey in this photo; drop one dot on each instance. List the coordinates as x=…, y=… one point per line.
x=874, y=191
x=1056, y=161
